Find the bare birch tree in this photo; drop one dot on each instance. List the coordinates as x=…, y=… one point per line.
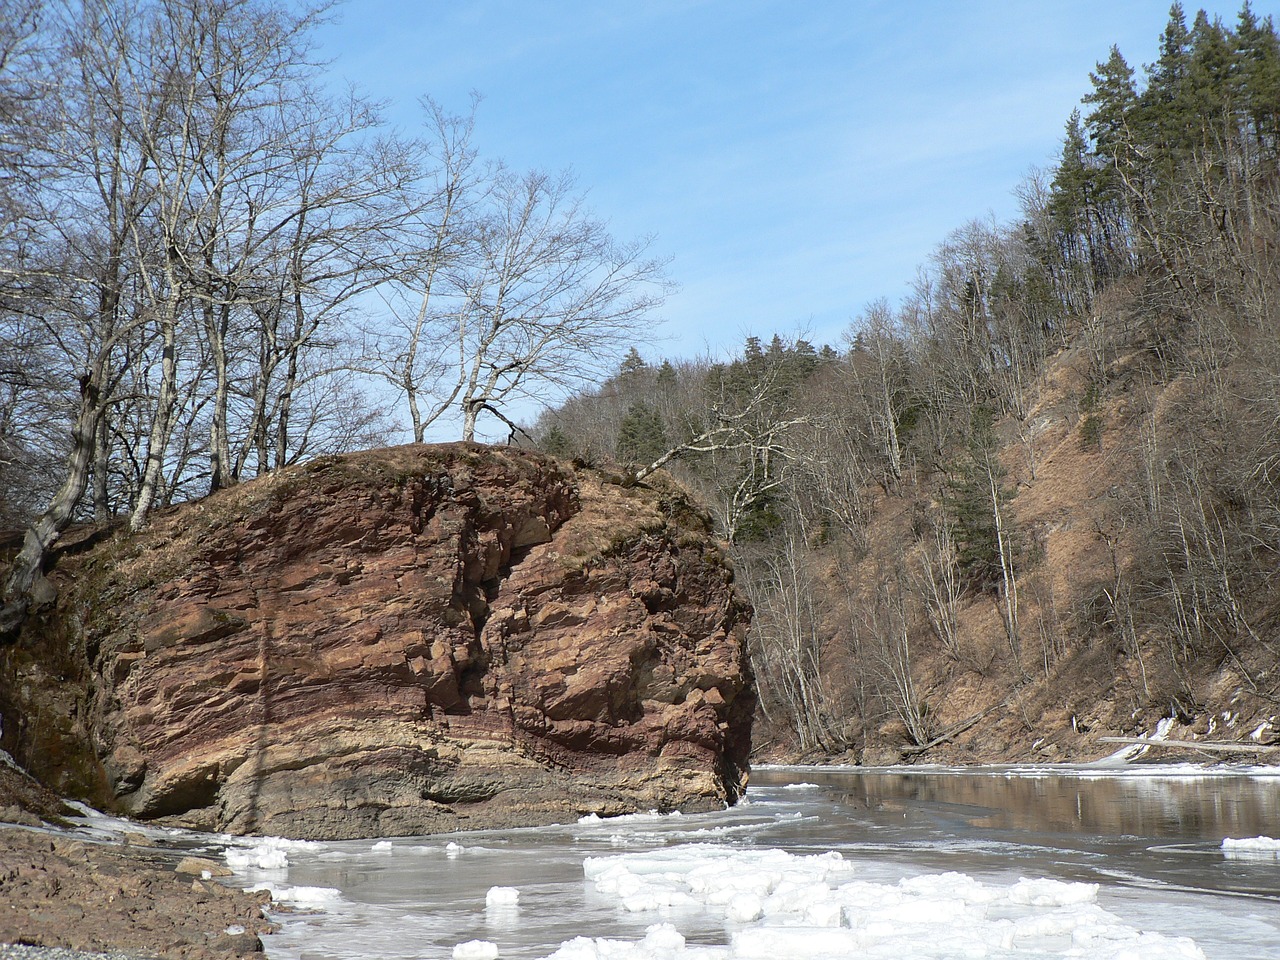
x=535, y=298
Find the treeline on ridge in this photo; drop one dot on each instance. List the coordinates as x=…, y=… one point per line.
x=1048, y=475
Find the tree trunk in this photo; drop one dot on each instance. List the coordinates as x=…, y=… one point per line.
x=470, y=412
x=160, y=424
x=221, y=469
x=101, y=463
x=27, y=567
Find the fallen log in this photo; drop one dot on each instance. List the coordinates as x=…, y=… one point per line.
x=1209, y=745
x=949, y=734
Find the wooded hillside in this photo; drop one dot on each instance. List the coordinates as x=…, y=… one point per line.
x=1040, y=498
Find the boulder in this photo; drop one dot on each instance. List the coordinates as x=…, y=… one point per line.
x=403, y=641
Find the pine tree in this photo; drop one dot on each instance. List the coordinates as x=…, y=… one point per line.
x=632, y=366
x=1257, y=52
x=1167, y=109
x=666, y=377
x=1212, y=87
x=557, y=443
x=1114, y=97
x=1072, y=203
x=642, y=436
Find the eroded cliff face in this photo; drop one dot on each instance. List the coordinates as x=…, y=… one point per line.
x=403, y=641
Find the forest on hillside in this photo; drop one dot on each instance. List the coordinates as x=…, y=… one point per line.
x=1062, y=449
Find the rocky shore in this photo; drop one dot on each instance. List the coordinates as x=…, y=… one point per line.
x=66, y=898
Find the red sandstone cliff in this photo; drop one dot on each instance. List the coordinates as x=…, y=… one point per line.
x=394, y=642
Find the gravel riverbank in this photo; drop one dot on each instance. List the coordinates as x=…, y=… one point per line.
x=67, y=898
x=19, y=951
x=119, y=898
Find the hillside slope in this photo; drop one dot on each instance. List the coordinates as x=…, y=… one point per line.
x=1123, y=619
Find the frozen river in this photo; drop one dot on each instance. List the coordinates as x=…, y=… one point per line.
x=821, y=862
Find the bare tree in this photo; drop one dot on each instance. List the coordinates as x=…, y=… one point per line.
x=414, y=355
x=91, y=228
x=877, y=366
x=936, y=580
x=537, y=300
x=203, y=210
x=29, y=375
x=886, y=623
x=789, y=638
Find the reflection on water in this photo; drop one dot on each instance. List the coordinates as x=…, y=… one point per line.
x=1151, y=839
x=1140, y=827
x=1194, y=808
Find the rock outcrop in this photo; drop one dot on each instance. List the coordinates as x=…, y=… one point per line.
x=403, y=641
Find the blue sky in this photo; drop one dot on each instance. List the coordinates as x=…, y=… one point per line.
x=795, y=160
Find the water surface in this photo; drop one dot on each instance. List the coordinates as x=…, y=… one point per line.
x=1151, y=837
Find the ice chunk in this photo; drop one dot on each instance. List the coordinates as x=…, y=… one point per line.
x=744, y=908
x=1052, y=893
x=1251, y=847
x=382, y=846
x=663, y=936
x=502, y=897
x=476, y=950
x=661, y=942
x=268, y=853
x=312, y=897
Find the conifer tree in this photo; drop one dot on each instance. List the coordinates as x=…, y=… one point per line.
x=1114, y=97
x=632, y=366
x=556, y=442
x=1212, y=88
x=666, y=377
x=642, y=436
x=1257, y=56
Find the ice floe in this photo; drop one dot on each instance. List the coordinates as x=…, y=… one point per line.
x=814, y=907
x=1251, y=847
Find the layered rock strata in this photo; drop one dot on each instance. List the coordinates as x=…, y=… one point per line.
x=404, y=641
